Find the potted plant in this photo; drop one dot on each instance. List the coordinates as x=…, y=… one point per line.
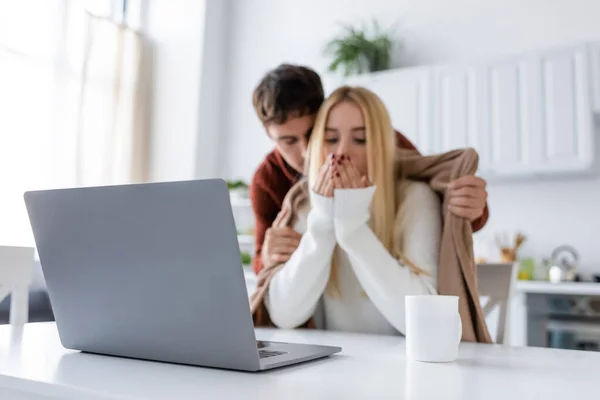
x=238, y=188
x=246, y=258
x=356, y=51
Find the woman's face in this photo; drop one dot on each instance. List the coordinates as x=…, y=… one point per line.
x=345, y=134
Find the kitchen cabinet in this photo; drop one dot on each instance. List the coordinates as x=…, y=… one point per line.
x=407, y=95
x=527, y=115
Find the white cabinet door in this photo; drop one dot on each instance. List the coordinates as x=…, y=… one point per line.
x=594, y=54
x=511, y=134
x=565, y=111
x=460, y=112
x=406, y=94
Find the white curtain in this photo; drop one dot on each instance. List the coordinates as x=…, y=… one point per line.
x=111, y=129
x=72, y=102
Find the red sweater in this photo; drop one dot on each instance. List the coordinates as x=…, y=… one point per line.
x=270, y=184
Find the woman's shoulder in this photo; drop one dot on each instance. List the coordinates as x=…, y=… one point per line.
x=416, y=192
x=420, y=208
x=419, y=201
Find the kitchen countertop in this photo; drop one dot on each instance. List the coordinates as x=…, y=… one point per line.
x=542, y=287
x=567, y=288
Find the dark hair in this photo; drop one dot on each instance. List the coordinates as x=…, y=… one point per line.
x=288, y=90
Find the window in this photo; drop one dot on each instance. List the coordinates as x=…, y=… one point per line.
x=41, y=54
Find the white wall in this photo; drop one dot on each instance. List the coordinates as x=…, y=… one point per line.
x=265, y=33
x=175, y=29
x=214, y=82
x=189, y=42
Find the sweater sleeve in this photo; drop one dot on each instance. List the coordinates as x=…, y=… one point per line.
x=383, y=278
x=480, y=222
x=404, y=143
x=296, y=288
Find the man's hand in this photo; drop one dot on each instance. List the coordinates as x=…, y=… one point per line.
x=279, y=243
x=467, y=197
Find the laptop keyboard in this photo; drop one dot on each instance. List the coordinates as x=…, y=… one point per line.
x=269, y=353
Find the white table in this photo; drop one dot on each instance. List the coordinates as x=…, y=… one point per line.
x=32, y=363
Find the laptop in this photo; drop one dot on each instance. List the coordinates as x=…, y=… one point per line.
x=153, y=272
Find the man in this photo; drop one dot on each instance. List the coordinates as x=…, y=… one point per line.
x=286, y=101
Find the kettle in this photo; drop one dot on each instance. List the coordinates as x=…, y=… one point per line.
x=563, y=268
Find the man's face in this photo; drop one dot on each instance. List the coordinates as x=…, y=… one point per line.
x=291, y=139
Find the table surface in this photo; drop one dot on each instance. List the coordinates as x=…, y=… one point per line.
x=33, y=363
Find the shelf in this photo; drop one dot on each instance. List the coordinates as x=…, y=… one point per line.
x=564, y=288
x=241, y=202
x=246, y=240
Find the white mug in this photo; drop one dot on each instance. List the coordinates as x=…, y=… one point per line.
x=433, y=328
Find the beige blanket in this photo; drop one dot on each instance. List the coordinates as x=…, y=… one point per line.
x=456, y=275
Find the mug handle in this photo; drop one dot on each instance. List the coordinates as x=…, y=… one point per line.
x=459, y=329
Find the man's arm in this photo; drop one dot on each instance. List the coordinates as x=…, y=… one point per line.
x=477, y=224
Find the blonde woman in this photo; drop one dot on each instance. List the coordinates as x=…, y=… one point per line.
x=369, y=238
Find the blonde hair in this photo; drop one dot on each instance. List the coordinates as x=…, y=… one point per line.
x=381, y=149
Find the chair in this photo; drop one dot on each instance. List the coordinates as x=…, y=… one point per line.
x=16, y=271
x=496, y=282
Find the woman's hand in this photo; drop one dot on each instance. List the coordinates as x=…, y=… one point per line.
x=347, y=176
x=324, y=185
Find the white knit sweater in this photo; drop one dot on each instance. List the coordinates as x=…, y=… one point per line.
x=297, y=291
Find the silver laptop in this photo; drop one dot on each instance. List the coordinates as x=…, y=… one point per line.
x=152, y=271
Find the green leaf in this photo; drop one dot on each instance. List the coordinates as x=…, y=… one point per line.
x=246, y=258
x=354, y=50
x=236, y=185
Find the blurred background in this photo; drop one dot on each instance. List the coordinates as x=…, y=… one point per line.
x=116, y=91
